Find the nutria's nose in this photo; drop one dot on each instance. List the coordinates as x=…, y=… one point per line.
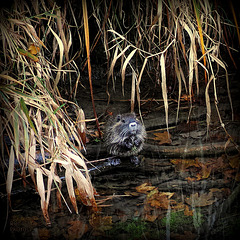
x=133, y=126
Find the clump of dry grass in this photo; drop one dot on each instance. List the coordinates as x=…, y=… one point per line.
x=182, y=38
x=34, y=115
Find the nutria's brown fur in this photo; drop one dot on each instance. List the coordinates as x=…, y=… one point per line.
x=124, y=135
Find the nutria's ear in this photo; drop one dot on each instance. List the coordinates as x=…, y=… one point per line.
x=118, y=117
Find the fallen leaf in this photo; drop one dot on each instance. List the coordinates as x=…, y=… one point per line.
x=135, y=194
x=188, y=212
x=159, y=199
x=237, y=177
x=234, y=161
x=183, y=164
x=187, y=235
x=205, y=170
x=229, y=174
x=43, y=233
x=202, y=200
x=190, y=180
x=163, y=137
x=153, y=216
x=144, y=188
x=101, y=223
x=220, y=193
x=178, y=206
x=77, y=229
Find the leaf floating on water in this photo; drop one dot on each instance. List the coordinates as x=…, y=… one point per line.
x=202, y=200
x=160, y=200
x=163, y=137
x=220, y=193
x=187, y=211
x=205, y=171
x=187, y=235
x=77, y=229
x=101, y=223
x=234, y=161
x=144, y=188
x=183, y=164
x=190, y=179
x=129, y=193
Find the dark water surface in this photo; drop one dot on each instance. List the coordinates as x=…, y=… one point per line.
x=161, y=199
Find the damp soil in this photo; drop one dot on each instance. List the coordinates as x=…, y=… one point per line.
x=185, y=188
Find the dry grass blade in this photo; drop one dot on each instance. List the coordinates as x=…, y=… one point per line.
x=110, y=73
x=164, y=87
x=178, y=74
x=191, y=65
x=133, y=89
x=196, y=9
x=61, y=49
x=87, y=43
x=126, y=62
x=32, y=157
x=208, y=104
x=219, y=62
x=70, y=188
x=10, y=173
x=41, y=191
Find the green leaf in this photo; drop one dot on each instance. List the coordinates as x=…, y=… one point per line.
x=59, y=108
x=26, y=112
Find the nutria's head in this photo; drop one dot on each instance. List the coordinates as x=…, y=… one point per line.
x=124, y=135
x=127, y=124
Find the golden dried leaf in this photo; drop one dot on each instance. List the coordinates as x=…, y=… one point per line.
x=159, y=199
x=205, y=171
x=163, y=137
x=183, y=164
x=178, y=206
x=33, y=49
x=144, y=188
x=188, y=212
x=135, y=194
x=151, y=217
x=190, y=180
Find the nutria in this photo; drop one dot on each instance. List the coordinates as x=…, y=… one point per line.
x=124, y=136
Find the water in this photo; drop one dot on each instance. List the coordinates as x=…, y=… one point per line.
x=161, y=199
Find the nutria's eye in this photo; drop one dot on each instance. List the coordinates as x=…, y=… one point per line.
x=123, y=121
x=118, y=118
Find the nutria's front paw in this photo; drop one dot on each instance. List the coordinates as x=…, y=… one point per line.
x=135, y=160
x=137, y=142
x=113, y=161
x=128, y=143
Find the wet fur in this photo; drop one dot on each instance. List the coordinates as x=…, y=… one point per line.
x=119, y=139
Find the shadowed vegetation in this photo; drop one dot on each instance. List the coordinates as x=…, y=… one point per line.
x=174, y=43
